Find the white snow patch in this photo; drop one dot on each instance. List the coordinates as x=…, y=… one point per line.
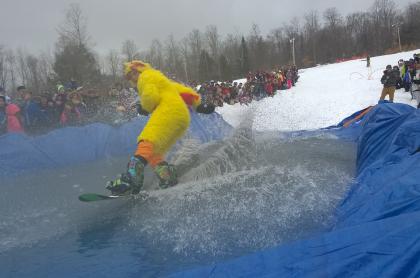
x=323, y=96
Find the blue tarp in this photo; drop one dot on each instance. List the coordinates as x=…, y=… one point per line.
x=61, y=147
x=378, y=224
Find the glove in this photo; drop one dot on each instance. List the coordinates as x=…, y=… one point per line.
x=205, y=108
x=140, y=109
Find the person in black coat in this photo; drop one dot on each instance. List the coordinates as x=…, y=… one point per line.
x=389, y=80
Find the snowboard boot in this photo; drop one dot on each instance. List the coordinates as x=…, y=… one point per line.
x=130, y=182
x=120, y=186
x=166, y=174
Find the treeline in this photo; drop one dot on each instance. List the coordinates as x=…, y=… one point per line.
x=206, y=54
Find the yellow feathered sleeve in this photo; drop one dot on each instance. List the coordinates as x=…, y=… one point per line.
x=188, y=94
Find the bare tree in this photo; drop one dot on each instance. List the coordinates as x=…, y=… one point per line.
x=232, y=52
x=3, y=68
x=411, y=24
x=332, y=35
x=45, y=70
x=384, y=15
x=185, y=51
x=173, y=57
x=22, y=68
x=195, y=41
x=74, y=27
x=332, y=18
x=253, y=41
x=11, y=66
x=213, y=40
x=113, y=63
x=33, y=76
x=292, y=30
x=279, y=45
x=130, y=50
x=311, y=30
x=358, y=32
x=156, y=54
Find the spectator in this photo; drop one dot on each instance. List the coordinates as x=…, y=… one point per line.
x=269, y=89
x=126, y=100
x=14, y=123
x=3, y=117
x=48, y=113
x=59, y=102
x=389, y=80
x=78, y=103
x=60, y=89
x=18, y=98
x=70, y=115
x=399, y=83
x=289, y=78
x=32, y=113
x=3, y=93
x=72, y=85
x=225, y=92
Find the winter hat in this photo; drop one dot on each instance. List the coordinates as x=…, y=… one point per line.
x=60, y=88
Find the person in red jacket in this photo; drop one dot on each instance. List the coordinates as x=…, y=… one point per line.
x=13, y=119
x=269, y=88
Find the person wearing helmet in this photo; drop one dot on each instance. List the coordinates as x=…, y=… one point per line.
x=169, y=104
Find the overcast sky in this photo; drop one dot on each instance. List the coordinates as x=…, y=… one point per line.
x=31, y=24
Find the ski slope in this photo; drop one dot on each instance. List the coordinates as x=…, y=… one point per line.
x=323, y=96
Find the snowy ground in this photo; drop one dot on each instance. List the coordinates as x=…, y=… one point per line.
x=323, y=96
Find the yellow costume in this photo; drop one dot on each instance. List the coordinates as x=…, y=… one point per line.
x=168, y=102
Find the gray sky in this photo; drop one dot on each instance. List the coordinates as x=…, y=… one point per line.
x=31, y=24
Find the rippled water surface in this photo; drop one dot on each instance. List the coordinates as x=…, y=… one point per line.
x=249, y=192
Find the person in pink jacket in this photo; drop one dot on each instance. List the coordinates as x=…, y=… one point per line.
x=13, y=118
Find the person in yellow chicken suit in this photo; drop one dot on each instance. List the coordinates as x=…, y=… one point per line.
x=169, y=104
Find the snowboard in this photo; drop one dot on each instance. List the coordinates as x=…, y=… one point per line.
x=94, y=197
x=181, y=169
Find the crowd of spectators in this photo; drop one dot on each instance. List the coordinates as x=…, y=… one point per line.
x=72, y=105
x=405, y=75
x=258, y=85
x=32, y=114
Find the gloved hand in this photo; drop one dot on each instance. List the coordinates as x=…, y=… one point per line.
x=205, y=108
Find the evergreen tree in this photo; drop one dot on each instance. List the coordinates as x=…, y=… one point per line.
x=76, y=62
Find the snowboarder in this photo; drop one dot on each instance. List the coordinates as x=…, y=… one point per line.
x=168, y=102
